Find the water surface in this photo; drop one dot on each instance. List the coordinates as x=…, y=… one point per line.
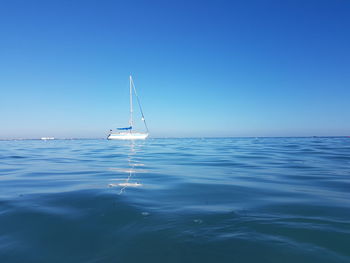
x=175, y=200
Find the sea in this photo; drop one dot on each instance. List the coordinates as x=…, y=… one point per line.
x=175, y=200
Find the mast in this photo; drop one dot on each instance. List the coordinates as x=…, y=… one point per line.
x=130, y=121
x=139, y=103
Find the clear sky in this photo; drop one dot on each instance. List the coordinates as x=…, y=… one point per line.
x=202, y=68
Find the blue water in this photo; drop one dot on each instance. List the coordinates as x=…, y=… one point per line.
x=175, y=200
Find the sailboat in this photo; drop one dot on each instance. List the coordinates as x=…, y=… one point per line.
x=128, y=133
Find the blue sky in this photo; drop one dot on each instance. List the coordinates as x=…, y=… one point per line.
x=202, y=68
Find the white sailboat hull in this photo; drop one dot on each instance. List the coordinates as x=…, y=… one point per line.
x=127, y=136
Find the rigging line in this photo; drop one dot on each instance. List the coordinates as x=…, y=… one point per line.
x=139, y=103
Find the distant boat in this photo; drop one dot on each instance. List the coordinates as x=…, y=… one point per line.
x=127, y=133
x=47, y=138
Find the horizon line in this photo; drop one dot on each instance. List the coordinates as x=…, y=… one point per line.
x=174, y=137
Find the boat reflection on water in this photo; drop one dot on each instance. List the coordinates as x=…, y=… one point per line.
x=132, y=170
